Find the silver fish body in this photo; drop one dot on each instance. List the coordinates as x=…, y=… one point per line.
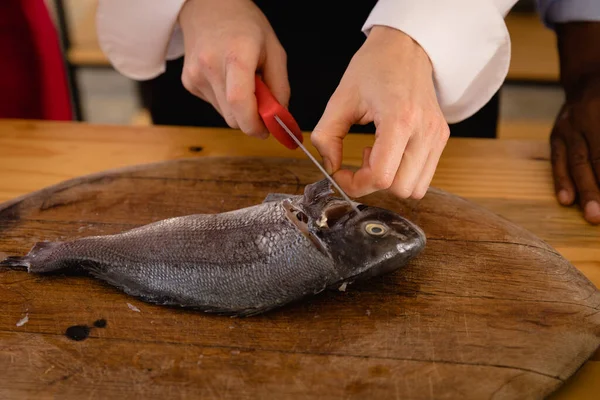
x=241, y=262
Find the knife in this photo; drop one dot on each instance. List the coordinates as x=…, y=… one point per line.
x=273, y=115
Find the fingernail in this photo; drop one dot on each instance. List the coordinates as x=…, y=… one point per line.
x=563, y=197
x=592, y=210
x=262, y=135
x=327, y=165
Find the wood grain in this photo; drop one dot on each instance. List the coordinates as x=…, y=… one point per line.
x=526, y=129
x=486, y=302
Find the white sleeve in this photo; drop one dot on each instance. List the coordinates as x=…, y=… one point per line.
x=138, y=36
x=553, y=11
x=466, y=40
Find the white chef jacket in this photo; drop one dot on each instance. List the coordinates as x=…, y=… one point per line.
x=467, y=40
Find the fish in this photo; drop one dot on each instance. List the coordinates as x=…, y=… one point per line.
x=241, y=262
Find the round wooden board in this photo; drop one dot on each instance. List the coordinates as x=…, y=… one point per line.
x=488, y=310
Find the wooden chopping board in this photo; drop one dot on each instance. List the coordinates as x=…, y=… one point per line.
x=488, y=310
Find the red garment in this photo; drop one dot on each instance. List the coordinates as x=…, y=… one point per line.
x=33, y=82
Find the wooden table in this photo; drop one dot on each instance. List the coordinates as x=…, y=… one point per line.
x=511, y=178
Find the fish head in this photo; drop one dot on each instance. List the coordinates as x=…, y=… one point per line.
x=372, y=242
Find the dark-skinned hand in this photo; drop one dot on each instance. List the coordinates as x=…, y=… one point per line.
x=575, y=138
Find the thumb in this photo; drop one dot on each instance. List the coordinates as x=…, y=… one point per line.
x=332, y=128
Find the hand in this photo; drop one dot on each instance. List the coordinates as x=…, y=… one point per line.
x=388, y=82
x=575, y=138
x=575, y=149
x=226, y=43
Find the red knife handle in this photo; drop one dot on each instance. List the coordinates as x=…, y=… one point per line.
x=268, y=107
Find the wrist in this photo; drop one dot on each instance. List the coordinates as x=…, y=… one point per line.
x=183, y=12
x=399, y=42
x=579, y=55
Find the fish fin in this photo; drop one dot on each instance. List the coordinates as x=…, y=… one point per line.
x=18, y=263
x=233, y=313
x=276, y=197
x=317, y=191
x=36, y=260
x=125, y=284
x=248, y=312
x=315, y=197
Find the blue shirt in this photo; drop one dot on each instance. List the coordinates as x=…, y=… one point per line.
x=558, y=11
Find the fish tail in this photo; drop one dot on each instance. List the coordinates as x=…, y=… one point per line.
x=15, y=263
x=37, y=260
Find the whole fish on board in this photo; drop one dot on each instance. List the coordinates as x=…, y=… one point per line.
x=242, y=262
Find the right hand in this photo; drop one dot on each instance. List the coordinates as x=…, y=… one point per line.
x=226, y=43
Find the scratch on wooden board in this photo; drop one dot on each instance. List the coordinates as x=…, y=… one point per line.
x=505, y=384
x=466, y=325
x=228, y=384
x=387, y=337
x=431, y=343
x=397, y=389
x=434, y=368
x=431, y=396
x=92, y=394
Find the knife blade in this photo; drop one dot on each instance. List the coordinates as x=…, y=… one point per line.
x=333, y=182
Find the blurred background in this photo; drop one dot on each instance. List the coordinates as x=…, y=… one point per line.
x=530, y=97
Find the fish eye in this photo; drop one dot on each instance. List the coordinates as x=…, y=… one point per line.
x=376, y=229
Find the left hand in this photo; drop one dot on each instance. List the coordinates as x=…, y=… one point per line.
x=389, y=81
x=575, y=138
x=575, y=148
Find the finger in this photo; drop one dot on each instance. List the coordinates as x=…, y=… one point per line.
x=591, y=212
x=345, y=177
x=195, y=78
x=593, y=140
x=222, y=106
x=583, y=175
x=391, y=139
x=564, y=187
x=440, y=141
x=424, y=180
x=595, y=153
x=563, y=183
x=238, y=92
x=207, y=94
x=332, y=128
x=428, y=172
x=275, y=74
x=411, y=168
x=193, y=82
x=242, y=102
